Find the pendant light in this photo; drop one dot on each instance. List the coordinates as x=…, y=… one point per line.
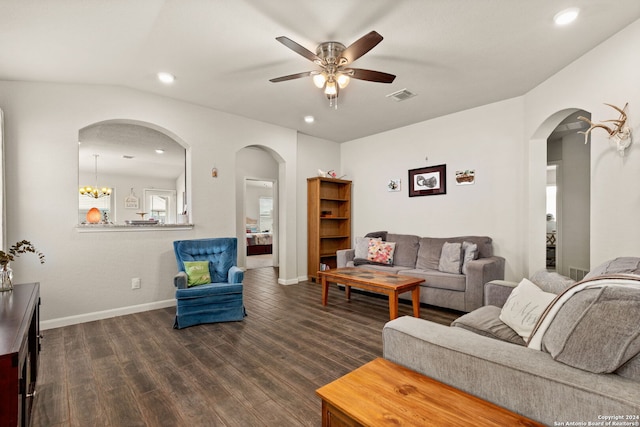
x=95, y=191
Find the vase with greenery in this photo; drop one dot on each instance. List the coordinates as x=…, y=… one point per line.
x=6, y=274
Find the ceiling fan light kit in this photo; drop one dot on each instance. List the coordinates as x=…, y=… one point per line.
x=333, y=58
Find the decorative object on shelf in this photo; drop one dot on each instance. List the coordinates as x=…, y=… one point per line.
x=620, y=133
x=6, y=278
x=328, y=174
x=428, y=181
x=142, y=214
x=393, y=185
x=6, y=273
x=95, y=191
x=131, y=201
x=141, y=222
x=466, y=177
x=94, y=216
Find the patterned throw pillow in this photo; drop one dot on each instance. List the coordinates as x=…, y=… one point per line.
x=197, y=273
x=381, y=252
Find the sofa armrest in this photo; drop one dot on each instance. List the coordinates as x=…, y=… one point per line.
x=526, y=381
x=236, y=275
x=479, y=272
x=180, y=280
x=344, y=256
x=496, y=292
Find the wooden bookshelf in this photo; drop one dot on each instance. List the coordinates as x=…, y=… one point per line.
x=328, y=222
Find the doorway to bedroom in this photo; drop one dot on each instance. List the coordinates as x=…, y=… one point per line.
x=259, y=223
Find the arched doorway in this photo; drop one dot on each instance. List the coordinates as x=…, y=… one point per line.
x=538, y=157
x=258, y=190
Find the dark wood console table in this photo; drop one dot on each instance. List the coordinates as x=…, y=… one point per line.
x=19, y=348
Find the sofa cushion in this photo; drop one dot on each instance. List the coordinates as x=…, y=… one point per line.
x=438, y=279
x=631, y=369
x=406, y=249
x=451, y=258
x=470, y=251
x=486, y=321
x=382, y=235
x=597, y=330
x=524, y=306
x=431, y=247
x=381, y=252
x=394, y=269
x=550, y=281
x=621, y=265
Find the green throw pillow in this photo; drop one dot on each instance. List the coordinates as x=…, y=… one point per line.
x=197, y=273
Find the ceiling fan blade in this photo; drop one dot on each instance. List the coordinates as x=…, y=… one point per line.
x=370, y=75
x=361, y=46
x=291, y=77
x=301, y=50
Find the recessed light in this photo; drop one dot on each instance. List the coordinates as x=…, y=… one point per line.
x=166, y=78
x=159, y=150
x=566, y=16
x=309, y=119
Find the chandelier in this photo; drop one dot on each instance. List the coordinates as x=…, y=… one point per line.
x=95, y=192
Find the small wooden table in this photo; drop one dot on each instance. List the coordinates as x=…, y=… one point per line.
x=376, y=281
x=382, y=393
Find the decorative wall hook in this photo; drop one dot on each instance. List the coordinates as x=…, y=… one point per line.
x=620, y=133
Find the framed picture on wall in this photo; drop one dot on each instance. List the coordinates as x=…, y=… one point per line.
x=428, y=181
x=131, y=202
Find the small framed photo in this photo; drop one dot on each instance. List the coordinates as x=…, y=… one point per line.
x=466, y=177
x=428, y=181
x=393, y=185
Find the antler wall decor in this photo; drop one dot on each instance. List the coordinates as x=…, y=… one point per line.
x=620, y=133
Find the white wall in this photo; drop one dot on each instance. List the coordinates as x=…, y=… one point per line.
x=487, y=139
x=505, y=143
x=575, y=196
x=313, y=154
x=91, y=272
x=608, y=73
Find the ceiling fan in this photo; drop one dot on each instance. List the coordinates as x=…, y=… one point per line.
x=334, y=59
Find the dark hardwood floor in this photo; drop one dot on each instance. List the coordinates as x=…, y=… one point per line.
x=136, y=370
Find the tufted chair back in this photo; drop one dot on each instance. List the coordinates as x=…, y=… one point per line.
x=221, y=252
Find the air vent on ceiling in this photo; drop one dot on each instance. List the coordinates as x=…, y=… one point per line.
x=125, y=156
x=401, y=95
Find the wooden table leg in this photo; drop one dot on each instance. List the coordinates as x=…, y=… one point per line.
x=347, y=292
x=325, y=290
x=393, y=305
x=415, y=298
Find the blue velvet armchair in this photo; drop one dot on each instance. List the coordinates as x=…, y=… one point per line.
x=218, y=301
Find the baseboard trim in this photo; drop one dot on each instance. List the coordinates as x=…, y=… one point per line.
x=106, y=314
x=288, y=282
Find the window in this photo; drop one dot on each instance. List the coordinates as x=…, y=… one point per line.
x=160, y=205
x=266, y=214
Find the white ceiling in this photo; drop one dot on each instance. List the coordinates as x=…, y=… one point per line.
x=454, y=54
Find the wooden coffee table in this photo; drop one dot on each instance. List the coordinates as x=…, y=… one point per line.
x=376, y=281
x=382, y=393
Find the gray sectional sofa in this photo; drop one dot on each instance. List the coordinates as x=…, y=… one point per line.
x=479, y=358
x=420, y=257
